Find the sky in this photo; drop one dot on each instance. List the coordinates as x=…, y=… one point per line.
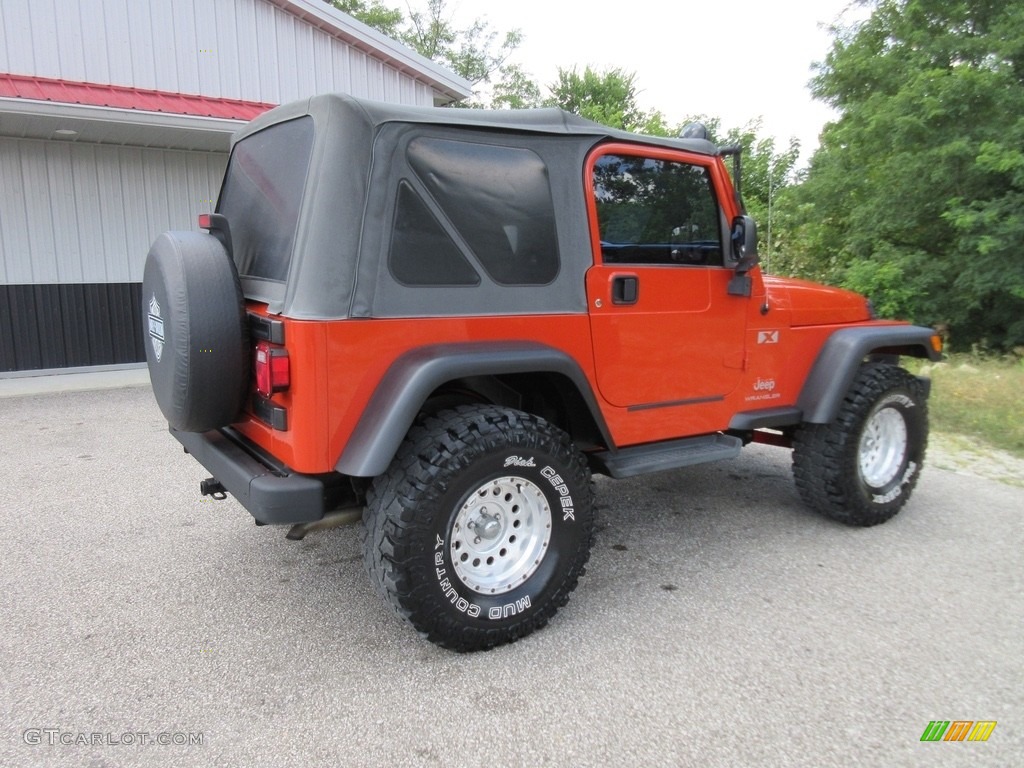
x=738, y=61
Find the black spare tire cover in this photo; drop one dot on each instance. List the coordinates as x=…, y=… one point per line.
x=196, y=331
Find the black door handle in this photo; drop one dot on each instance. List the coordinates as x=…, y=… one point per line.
x=625, y=289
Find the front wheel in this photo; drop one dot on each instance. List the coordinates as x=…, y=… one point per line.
x=481, y=527
x=861, y=468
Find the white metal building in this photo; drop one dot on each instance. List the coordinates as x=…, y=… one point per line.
x=115, y=119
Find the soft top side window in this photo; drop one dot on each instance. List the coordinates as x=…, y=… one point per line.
x=498, y=199
x=422, y=253
x=656, y=211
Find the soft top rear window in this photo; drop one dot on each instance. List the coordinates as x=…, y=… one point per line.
x=262, y=194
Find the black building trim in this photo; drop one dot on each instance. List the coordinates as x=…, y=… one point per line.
x=69, y=325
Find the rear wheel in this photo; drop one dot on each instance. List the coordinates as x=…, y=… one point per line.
x=861, y=468
x=481, y=527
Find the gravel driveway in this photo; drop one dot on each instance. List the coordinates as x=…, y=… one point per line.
x=719, y=624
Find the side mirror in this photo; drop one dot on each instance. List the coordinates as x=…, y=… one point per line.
x=744, y=251
x=744, y=244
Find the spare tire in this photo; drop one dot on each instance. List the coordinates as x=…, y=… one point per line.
x=196, y=331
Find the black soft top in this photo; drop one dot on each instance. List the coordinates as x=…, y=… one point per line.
x=550, y=120
x=339, y=261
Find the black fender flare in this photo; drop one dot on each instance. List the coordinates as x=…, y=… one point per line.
x=841, y=356
x=411, y=379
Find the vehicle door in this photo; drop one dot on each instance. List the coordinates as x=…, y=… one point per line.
x=665, y=330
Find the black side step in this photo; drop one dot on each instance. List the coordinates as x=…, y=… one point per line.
x=639, y=460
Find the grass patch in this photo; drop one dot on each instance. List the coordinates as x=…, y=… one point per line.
x=979, y=398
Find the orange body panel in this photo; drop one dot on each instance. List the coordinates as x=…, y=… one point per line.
x=336, y=366
x=815, y=304
x=682, y=340
x=344, y=361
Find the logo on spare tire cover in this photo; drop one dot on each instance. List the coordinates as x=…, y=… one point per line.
x=156, y=328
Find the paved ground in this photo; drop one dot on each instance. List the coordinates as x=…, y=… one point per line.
x=967, y=456
x=720, y=624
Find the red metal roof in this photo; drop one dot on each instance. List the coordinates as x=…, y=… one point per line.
x=122, y=97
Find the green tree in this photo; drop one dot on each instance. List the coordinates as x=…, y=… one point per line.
x=916, y=192
x=477, y=53
x=515, y=89
x=474, y=52
x=373, y=14
x=767, y=174
x=608, y=97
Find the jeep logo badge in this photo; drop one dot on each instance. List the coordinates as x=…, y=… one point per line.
x=156, y=328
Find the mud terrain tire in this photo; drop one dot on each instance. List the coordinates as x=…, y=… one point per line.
x=861, y=468
x=481, y=527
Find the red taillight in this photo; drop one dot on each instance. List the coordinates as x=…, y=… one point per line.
x=273, y=371
x=205, y=221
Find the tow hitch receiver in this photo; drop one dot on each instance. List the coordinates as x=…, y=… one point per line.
x=212, y=487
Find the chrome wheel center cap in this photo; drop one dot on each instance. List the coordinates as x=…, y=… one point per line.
x=487, y=526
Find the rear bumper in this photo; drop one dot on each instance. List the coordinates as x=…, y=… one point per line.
x=273, y=494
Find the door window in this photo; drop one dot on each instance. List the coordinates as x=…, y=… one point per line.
x=654, y=211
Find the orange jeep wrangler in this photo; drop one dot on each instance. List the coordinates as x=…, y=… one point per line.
x=448, y=319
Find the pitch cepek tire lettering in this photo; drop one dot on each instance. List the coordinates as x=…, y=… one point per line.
x=862, y=468
x=196, y=333
x=469, y=486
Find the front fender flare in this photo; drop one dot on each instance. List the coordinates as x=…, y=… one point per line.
x=411, y=379
x=841, y=356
